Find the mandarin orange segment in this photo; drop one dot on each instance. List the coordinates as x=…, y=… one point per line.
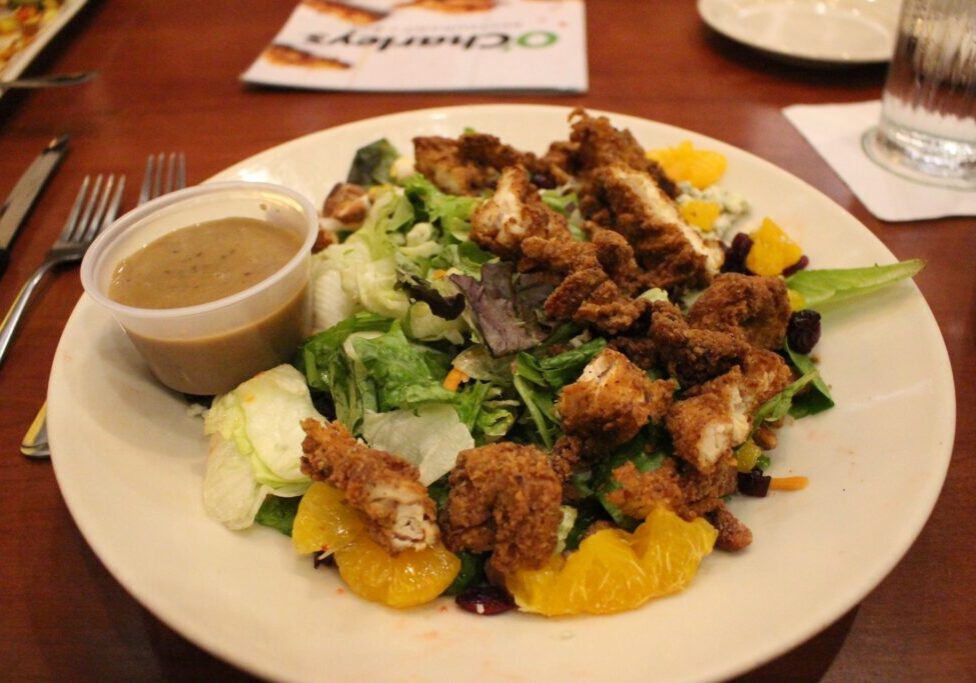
x=772, y=250
x=407, y=579
x=700, y=213
x=601, y=577
x=323, y=522
x=613, y=570
x=700, y=167
x=670, y=549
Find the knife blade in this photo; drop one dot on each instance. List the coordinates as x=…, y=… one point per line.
x=25, y=192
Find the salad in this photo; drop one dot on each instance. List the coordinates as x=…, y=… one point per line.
x=537, y=381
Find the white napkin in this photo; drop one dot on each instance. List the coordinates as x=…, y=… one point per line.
x=835, y=131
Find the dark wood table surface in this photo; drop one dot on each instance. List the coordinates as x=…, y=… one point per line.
x=169, y=80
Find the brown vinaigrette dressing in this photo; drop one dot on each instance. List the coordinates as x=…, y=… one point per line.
x=203, y=263
x=188, y=365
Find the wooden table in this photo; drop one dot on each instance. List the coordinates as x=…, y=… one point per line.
x=169, y=81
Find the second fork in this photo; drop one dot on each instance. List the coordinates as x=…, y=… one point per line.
x=163, y=174
x=90, y=213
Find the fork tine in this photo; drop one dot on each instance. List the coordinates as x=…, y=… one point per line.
x=180, y=171
x=69, y=225
x=101, y=202
x=146, y=181
x=158, y=179
x=170, y=172
x=102, y=215
x=113, y=207
x=86, y=212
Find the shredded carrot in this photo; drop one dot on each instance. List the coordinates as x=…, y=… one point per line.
x=439, y=274
x=454, y=379
x=788, y=483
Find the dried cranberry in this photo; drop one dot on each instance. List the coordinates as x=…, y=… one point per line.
x=319, y=561
x=803, y=330
x=736, y=253
x=485, y=600
x=543, y=181
x=754, y=483
x=799, y=265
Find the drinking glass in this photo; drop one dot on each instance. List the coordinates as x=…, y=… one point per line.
x=927, y=130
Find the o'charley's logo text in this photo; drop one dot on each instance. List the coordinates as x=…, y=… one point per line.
x=472, y=41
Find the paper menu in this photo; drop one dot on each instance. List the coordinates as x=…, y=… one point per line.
x=428, y=45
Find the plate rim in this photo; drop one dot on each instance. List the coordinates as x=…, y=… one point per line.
x=853, y=594
x=707, y=8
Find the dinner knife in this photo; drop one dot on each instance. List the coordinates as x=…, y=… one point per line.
x=25, y=192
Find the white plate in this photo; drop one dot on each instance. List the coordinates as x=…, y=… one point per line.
x=20, y=61
x=130, y=461
x=809, y=31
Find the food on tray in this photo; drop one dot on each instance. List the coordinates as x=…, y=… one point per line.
x=20, y=21
x=539, y=366
x=286, y=55
x=350, y=12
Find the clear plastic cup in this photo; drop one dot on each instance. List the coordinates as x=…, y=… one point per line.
x=212, y=347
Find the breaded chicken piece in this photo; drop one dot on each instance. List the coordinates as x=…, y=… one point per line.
x=675, y=255
x=512, y=214
x=612, y=400
x=689, y=494
x=758, y=307
x=600, y=276
x=640, y=492
x=692, y=355
x=347, y=203
x=596, y=143
x=606, y=308
x=382, y=487
x=504, y=498
x=717, y=416
x=468, y=165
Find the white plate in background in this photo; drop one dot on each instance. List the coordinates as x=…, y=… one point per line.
x=130, y=462
x=822, y=32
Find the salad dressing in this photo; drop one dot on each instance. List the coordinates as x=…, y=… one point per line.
x=199, y=264
x=202, y=263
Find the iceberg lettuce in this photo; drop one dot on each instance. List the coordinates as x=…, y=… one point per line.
x=429, y=437
x=256, y=445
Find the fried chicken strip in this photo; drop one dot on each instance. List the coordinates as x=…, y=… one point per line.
x=504, y=498
x=382, y=487
x=512, y=214
x=612, y=400
x=717, y=416
x=467, y=165
x=689, y=493
x=692, y=355
x=757, y=307
x=675, y=255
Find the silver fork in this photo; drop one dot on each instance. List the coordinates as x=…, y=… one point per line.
x=91, y=212
x=163, y=174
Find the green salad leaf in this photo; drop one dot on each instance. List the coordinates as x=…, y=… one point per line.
x=827, y=286
x=371, y=164
x=278, y=513
x=451, y=212
x=816, y=398
x=405, y=374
